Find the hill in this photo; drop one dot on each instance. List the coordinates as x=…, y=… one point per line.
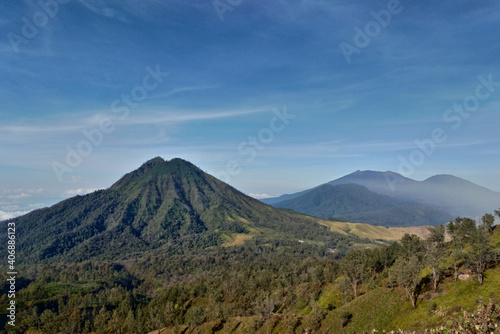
x=453, y=195
x=163, y=206
x=355, y=203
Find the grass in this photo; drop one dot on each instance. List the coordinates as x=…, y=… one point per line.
x=372, y=232
x=235, y=239
x=452, y=301
x=373, y=310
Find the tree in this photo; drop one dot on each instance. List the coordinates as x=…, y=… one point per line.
x=487, y=222
x=481, y=254
x=407, y=275
x=101, y=320
x=130, y=322
x=116, y=322
x=497, y=213
x=345, y=288
x=460, y=232
x=49, y=321
x=435, y=251
x=353, y=266
x=265, y=306
x=412, y=245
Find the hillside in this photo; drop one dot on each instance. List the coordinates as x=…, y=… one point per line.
x=461, y=305
x=442, y=193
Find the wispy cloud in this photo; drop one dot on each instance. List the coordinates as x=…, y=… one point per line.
x=260, y=196
x=20, y=196
x=9, y=215
x=186, y=116
x=181, y=90
x=100, y=7
x=80, y=191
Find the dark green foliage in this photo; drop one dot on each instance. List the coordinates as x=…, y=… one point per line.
x=435, y=251
x=407, y=275
x=354, y=267
x=481, y=254
x=345, y=318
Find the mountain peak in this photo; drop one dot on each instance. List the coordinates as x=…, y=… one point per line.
x=156, y=166
x=443, y=178
x=155, y=160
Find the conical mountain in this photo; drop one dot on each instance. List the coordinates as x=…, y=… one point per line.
x=170, y=206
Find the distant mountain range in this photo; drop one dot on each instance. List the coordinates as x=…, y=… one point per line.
x=163, y=206
x=390, y=199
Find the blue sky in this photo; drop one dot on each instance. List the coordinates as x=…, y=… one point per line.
x=262, y=94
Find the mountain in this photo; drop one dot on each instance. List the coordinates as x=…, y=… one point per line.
x=355, y=203
x=455, y=196
x=378, y=182
x=164, y=206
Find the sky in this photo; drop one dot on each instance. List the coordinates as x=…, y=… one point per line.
x=271, y=97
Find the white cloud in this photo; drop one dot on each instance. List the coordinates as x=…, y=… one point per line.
x=185, y=116
x=16, y=197
x=9, y=215
x=80, y=191
x=260, y=196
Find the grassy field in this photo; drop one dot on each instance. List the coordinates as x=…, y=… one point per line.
x=374, y=232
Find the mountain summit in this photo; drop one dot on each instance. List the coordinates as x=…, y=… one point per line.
x=171, y=206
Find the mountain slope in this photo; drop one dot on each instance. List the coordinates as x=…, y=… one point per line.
x=355, y=203
x=170, y=206
x=456, y=196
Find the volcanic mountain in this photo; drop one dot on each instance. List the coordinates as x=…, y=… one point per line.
x=434, y=200
x=169, y=206
x=355, y=203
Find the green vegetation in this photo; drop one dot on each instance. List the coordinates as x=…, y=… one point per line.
x=189, y=254
x=271, y=287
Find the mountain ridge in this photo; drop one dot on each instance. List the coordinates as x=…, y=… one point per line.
x=457, y=196
x=356, y=203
